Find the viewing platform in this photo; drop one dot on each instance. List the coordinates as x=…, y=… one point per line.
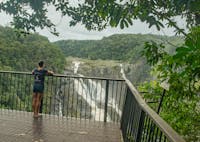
x=19, y=126
x=78, y=109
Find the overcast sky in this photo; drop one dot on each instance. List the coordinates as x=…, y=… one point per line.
x=80, y=33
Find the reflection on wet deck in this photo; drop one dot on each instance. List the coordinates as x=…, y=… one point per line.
x=22, y=127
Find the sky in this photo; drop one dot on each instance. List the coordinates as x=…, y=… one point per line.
x=79, y=32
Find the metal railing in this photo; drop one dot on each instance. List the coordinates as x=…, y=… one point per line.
x=140, y=123
x=97, y=99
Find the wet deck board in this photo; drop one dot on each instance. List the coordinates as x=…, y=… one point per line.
x=18, y=126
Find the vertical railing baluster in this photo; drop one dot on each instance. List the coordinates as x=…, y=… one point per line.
x=12, y=101
x=61, y=96
x=54, y=95
x=100, y=97
x=26, y=92
x=112, y=91
x=7, y=91
x=165, y=139
x=155, y=138
x=124, y=110
x=90, y=95
x=130, y=119
x=86, y=97
x=77, y=98
x=64, y=95
x=152, y=131
x=20, y=92
x=140, y=127
x=160, y=138
x=17, y=91
x=1, y=89
x=81, y=97
x=95, y=97
x=45, y=97
x=119, y=104
x=10, y=91
x=144, y=128
x=147, y=128
x=128, y=109
x=115, y=105
x=106, y=101
x=30, y=93
x=68, y=97
x=72, y=98
x=51, y=96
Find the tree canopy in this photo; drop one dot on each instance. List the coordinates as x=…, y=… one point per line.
x=23, y=53
x=98, y=14
x=124, y=47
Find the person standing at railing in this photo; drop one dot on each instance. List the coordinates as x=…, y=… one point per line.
x=38, y=87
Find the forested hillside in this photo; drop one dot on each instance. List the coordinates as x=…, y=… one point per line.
x=124, y=47
x=23, y=53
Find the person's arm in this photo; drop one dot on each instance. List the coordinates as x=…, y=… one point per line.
x=50, y=72
x=33, y=71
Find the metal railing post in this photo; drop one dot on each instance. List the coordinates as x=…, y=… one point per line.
x=140, y=127
x=106, y=101
x=161, y=101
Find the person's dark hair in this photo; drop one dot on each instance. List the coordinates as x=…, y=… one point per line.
x=41, y=63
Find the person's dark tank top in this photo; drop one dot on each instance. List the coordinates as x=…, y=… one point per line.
x=39, y=76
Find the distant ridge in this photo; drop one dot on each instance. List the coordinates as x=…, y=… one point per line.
x=124, y=47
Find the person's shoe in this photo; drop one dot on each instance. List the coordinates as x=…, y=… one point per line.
x=35, y=115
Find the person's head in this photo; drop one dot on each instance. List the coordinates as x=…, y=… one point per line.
x=41, y=64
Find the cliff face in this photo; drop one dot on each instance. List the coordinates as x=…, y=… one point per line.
x=136, y=73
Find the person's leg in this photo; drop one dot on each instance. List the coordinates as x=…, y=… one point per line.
x=41, y=98
x=40, y=103
x=38, y=99
x=34, y=103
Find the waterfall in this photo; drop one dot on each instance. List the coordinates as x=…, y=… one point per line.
x=93, y=93
x=122, y=71
x=82, y=89
x=76, y=66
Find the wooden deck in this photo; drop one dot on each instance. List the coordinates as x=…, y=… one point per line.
x=16, y=126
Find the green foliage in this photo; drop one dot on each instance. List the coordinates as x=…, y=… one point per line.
x=181, y=69
x=98, y=14
x=28, y=15
x=126, y=47
x=23, y=53
x=182, y=114
x=181, y=72
x=151, y=92
x=154, y=52
x=123, y=47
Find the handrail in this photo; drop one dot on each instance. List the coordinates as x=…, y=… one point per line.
x=62, y=75
x=171, y=134
x=73, y=96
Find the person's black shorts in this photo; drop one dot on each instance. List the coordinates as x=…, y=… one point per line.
x=38, y=88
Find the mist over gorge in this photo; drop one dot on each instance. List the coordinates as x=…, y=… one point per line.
x=107, y=69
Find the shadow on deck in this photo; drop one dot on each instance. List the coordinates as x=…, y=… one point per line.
x=22, y=127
